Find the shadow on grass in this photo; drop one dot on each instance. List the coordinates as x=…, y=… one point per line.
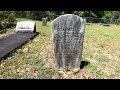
x=84, y=63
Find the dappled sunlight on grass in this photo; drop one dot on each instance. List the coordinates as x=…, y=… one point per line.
x=36, y=58
x=100, y=46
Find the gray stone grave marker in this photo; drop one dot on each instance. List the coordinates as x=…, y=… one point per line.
x=44, y=21
x=68, y=36
x=26, y=26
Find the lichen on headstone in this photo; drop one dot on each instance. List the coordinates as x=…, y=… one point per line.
x=68, y=36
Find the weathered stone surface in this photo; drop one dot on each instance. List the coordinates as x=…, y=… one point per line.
x=44, y=21
x=26, y=26
x=68, y=37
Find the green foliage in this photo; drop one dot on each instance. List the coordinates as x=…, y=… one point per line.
x=7, y=19
x=35, y=15
x=85, y=13
x=107, y=14
x=21, y=13
x=38, y=15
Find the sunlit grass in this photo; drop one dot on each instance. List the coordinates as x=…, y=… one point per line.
x=36, y=58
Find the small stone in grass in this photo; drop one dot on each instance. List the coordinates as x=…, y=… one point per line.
x=106, y=34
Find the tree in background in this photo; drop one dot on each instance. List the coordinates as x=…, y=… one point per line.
x=35, y=15
x=38, y=15
x=7, y=19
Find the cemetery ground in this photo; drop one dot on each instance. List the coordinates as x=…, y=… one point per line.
x=35, y=59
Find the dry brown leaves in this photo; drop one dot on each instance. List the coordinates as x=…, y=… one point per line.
x=78, y=74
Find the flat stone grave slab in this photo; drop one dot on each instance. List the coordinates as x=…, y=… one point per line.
x=26, y=26
x=12, y=41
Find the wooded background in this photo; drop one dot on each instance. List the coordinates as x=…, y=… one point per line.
x=8, y=18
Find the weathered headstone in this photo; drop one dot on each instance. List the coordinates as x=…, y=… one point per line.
x=26, y=26
x=44, y=21
x=68, y=37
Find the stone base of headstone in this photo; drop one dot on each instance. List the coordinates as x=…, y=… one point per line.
x=70, y=71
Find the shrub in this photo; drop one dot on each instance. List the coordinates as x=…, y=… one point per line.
x=7, y=19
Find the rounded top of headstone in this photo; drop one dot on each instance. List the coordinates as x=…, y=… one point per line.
x=68, y=15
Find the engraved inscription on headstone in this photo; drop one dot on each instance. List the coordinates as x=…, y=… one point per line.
x=68, y=36
x=44, y=21
x=26, y=26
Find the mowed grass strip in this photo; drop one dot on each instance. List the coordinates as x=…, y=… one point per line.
x=35, y=60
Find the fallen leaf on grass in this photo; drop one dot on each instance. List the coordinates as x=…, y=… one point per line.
x=32, y=73
x=61, y=72
x=64, y=76
x=2, y=65
x=1, y=77
x=25, y=50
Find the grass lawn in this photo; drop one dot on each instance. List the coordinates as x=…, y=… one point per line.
x=35, y=59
